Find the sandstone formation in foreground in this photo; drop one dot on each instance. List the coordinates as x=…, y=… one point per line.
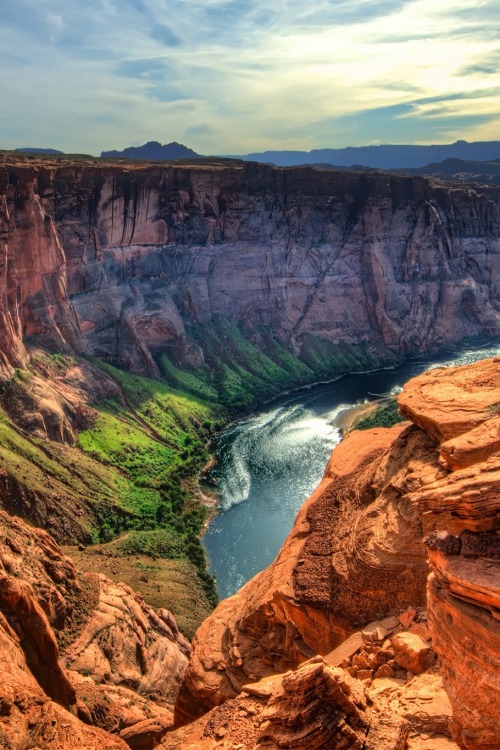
x=356, y=554
x=361, y=695
x=344, y=642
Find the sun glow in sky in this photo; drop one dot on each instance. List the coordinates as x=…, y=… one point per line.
x=233, y=76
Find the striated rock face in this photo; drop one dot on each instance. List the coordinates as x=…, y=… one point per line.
x=34, y=298
x=463, y=417
x=28, y=718
x=464, y=588
x=124, y=642
x=368, y=702
x=91, y=646
x=447, y=402
x=317, y=706
x=356, y=553
x=119, y=261
x=466, y=633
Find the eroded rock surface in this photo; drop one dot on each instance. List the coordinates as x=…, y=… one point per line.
x=316, y=706
x=124, y=642
x=79, y=646
x=355, y=696
x=459, y=408
x=354, y=554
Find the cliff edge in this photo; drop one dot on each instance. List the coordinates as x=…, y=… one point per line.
x=356, y=553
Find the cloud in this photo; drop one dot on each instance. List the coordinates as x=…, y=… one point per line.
x=165, y=35
x=228, y=76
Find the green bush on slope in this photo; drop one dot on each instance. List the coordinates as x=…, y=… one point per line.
x=156, y=436
x=384, y=415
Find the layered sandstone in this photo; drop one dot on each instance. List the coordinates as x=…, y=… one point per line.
x=464, y=588
x=316, y=706
x=357, y=696
x=79, y=649
x=356, y=553
x=121, y=260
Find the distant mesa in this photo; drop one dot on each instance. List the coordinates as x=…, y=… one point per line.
x=388, y=156
x=28, y=150
x=154, y=151
x=460, y=170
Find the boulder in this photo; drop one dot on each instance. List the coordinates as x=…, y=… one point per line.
x=412, y=653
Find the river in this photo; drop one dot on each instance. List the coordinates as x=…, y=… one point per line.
x=269, y=463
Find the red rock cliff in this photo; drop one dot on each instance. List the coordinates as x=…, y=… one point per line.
x=355, y=554
x=117, y=260
x=460, y=407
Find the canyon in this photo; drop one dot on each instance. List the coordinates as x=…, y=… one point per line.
x=317, y=270
x=344, y=641
x=236, y=281
x=357, y=553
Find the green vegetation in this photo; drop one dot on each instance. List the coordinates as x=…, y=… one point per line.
x=185, y=381
x=156, y=436
x=57, y=471
x=327, y=359
x=241, y=374
x=386, y=414
x=132, y=474
x=168, y=544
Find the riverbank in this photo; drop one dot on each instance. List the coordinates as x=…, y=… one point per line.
x=347, y=419
x=270, y=462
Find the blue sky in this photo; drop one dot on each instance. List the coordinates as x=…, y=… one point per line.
x=234, y=76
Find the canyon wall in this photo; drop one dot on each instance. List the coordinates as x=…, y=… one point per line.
x=123, y=262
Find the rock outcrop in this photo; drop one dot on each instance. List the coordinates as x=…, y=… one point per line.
x=120, y=261
x=316, y=706
x=356, y=696
x=28, y=717
x=79, y=649
x=356, y=552
x=460, y=406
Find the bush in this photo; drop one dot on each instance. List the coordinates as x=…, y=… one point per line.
x=385, y=415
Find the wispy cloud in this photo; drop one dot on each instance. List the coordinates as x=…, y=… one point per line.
x=228, y=76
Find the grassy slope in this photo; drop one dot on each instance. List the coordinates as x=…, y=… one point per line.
x=134, y=472
x=59, y=473
x=156, y=436
x=240, y=375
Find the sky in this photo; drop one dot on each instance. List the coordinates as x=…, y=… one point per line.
x=236, y=76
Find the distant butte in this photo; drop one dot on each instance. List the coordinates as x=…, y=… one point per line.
x=153, y=151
